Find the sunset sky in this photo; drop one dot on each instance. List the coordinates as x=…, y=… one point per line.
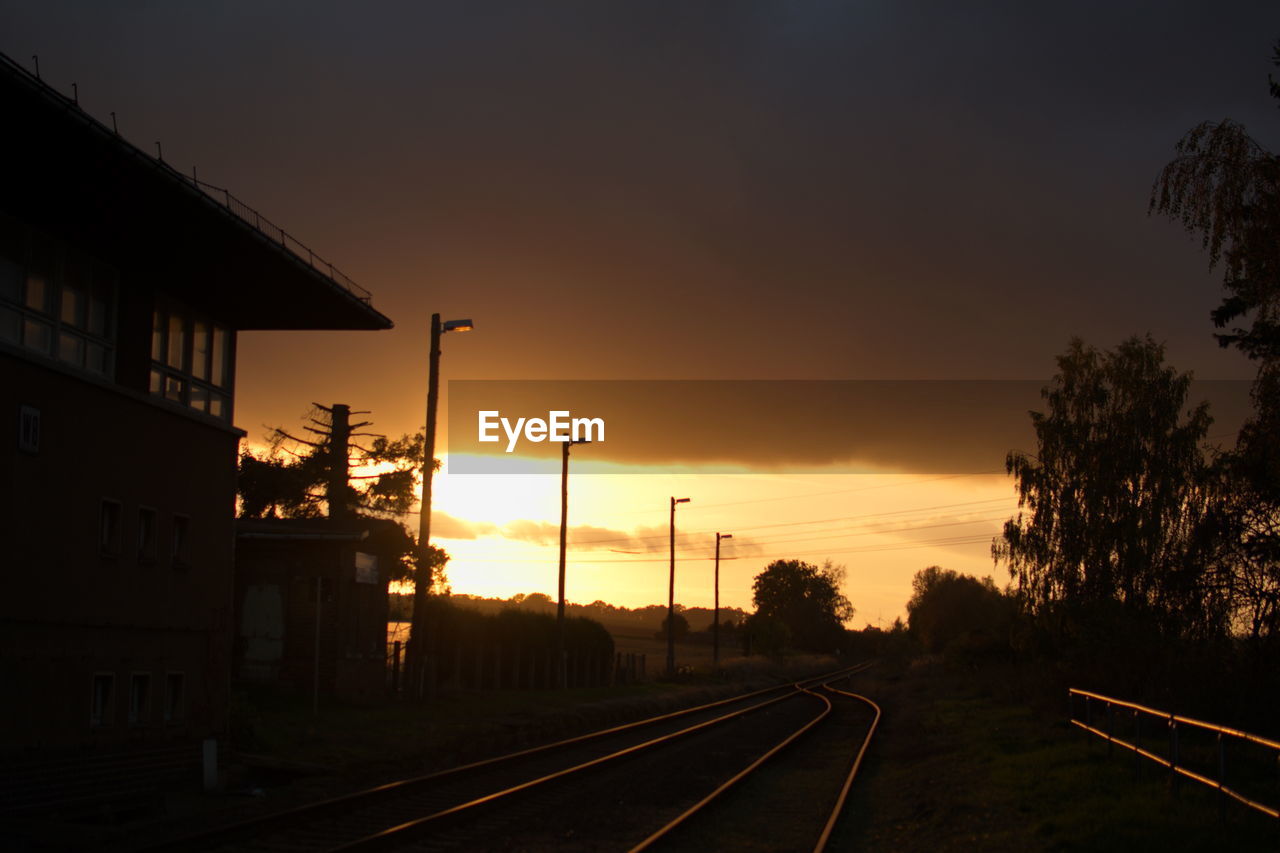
x=695, y=191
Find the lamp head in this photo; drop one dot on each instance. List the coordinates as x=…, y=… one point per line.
x=457, y=326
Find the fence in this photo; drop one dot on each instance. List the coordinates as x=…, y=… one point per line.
x=1178, y=760
x=500, y=667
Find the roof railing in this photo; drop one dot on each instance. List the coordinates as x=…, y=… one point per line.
x=1095, y=704
x=218, y=195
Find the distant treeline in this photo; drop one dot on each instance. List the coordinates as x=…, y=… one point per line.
x=614, y=618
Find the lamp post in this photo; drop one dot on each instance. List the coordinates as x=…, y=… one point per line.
x=671, y=593
x=562, y=679
x=715, y=623
x=415, y=655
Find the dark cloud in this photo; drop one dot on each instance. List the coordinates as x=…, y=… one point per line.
x=833, y=426
x=741, y=190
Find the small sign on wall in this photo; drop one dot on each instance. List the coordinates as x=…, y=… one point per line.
x=366, y=567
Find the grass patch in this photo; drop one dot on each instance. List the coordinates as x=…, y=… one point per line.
x=957, y=768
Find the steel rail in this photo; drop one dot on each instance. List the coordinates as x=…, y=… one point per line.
x=398, y=834
x=740, y=775
x=280, y=819
x=853, y=770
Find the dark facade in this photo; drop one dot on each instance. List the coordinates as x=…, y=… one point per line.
x=311, y=603
x=122, y=287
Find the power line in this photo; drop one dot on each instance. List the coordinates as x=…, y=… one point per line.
x=859, y=517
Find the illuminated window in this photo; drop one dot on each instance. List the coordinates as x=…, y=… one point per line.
x=55, y=300
x=190, y=361
x=101, y=699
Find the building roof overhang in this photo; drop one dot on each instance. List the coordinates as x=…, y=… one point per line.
x=67, y=172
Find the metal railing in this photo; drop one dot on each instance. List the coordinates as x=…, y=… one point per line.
x=217, y=195
x=277, y=235
x=1095, y=704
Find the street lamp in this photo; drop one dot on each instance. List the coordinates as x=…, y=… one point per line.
x=671, y=593
x=562, y=679
x=715, y=624
x=415, y=656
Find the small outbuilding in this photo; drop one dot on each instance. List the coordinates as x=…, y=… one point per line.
x=311, y=603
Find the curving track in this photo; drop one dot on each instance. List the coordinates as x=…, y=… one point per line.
x=604, y=790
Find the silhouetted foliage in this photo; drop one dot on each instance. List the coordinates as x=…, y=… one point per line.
x=293, y=479
x=1224, y=186
x=806, y=599
x=525, y=638
x=1112, y=502
x=765, y=635
x=951, y=611
x=305, y=478
x=681, y=626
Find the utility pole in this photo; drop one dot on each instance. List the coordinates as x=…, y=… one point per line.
x=339, y=460
x=562, y=679
x=416, y=653
x=671, y=594
x=715, y=623
x=415, y=657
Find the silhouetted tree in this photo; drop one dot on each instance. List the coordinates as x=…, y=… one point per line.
x=951, y=610
x=295, y=477
x=807, y=600
x=309, y=477
x=1111, y=504
x=680, y=629
x=1224, y=186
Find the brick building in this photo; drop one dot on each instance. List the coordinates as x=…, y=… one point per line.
x=123, y=285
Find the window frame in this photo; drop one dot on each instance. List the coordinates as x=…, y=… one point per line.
x=195, y=387
x=140, y=714
x=174, y=711
x=102, y=717
x=99, y=290
x=148, y=550
x=110, y=547
x=180, y=544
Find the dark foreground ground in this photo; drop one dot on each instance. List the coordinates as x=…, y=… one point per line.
x=963, y=760
x=962, y=763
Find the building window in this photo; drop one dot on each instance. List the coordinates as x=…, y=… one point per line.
x=174, y=700
x=109, y=527
x=139, y=698
x=101, y=699
x=29, y=429
x=191, y=361
x=55, y=300
x=180, y=546
x=146, y=534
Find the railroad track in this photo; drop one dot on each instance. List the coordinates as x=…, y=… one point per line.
x=603, y=790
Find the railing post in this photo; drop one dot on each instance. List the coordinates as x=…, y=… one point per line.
x=1222, y=779
x=1137, y=742
x=395, y=667
x=1111, y=713
x=1173, y=751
